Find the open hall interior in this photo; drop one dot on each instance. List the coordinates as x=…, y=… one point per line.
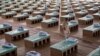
x=49, y=27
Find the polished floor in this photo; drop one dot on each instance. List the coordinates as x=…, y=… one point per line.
x=85, y=46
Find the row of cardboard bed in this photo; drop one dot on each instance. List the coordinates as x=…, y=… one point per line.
x=49, y=15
